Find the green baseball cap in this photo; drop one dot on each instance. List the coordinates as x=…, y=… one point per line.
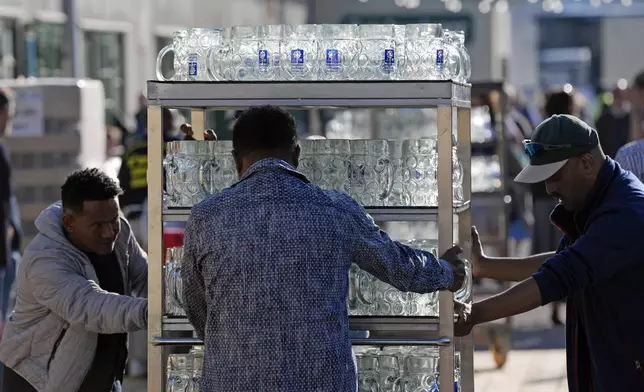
x=553, y=142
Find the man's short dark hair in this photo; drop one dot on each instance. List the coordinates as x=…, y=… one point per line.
x=87, y=185
x=264, y=128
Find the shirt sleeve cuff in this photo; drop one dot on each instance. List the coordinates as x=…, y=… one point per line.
x=448, y=273
x=548, y=286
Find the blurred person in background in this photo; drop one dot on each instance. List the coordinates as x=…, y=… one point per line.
x=631, y=155
x=580, y=107
x=76, y=291
x=7, y=229
x=631, y=158
x=517, y=128
x=613, y=125
x=604, y=102
x=133, y=176
x=115, y=150
x=526, y=108
x=637, y=101
x=546, y=237
x=114, y=121
x=141, y=118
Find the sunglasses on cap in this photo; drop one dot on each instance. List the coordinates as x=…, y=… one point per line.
x=533, y=149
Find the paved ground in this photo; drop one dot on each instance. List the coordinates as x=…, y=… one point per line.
x=525, y=371
x=535, y=364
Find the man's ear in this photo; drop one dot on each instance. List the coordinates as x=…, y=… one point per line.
x=296, y=155
x=239, y=163
x=68, y=222
x=588, y=162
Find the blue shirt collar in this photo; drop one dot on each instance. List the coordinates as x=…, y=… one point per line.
x=271, y=164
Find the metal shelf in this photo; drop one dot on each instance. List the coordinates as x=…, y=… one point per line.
x=438, y=342
x=364, y=326
x=160, y=341
x=176, y=324
x=389, y=94
x=392, y=324
x=380, y=214
x=369, y=331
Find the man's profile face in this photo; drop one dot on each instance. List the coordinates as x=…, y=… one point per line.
x=96, y=228
x=569, y=184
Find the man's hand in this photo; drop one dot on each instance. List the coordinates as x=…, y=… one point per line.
x=466, y=321
x=520, y=298
x=477, y=253
x=208, y=134
x=453, y=257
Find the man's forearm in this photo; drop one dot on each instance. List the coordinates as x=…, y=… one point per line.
x=512, y=269
x=521, y=298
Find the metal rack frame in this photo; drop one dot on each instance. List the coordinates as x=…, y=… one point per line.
x=445, y=95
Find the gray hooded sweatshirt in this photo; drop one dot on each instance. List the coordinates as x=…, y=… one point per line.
x=50, y=338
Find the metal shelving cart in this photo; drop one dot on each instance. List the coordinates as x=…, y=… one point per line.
x=450, y=98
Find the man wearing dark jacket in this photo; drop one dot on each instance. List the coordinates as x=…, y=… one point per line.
x=598, y=267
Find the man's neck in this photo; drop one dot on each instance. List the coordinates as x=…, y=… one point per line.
x=74, y=242
x=258, y=157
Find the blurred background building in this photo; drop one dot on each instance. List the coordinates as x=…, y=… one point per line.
x=531, y=44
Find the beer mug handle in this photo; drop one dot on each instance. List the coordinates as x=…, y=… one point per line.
x=464, y=294
x=211, y=65
x=169, y=167
x=160, y=57
x=359, y=288
x=205, y=176
x=391, y=172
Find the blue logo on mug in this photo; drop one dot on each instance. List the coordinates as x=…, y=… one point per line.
x=440, y=57
x=390, y=57
x=297, y=56
x=193, y=65
x=263, y=57
x=332, y=57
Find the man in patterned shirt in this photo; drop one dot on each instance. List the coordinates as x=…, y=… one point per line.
x=631, y=157
x=266, y=265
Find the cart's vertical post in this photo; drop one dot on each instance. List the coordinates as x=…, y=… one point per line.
x=155, y=247
x=466, y=344
x=198, y=122
x=503, y=159
x=445, y=238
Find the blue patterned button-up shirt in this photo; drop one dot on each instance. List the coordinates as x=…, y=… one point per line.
x=265, y=281
x=631, y=157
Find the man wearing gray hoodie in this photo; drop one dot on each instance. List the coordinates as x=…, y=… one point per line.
x=74, y=302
